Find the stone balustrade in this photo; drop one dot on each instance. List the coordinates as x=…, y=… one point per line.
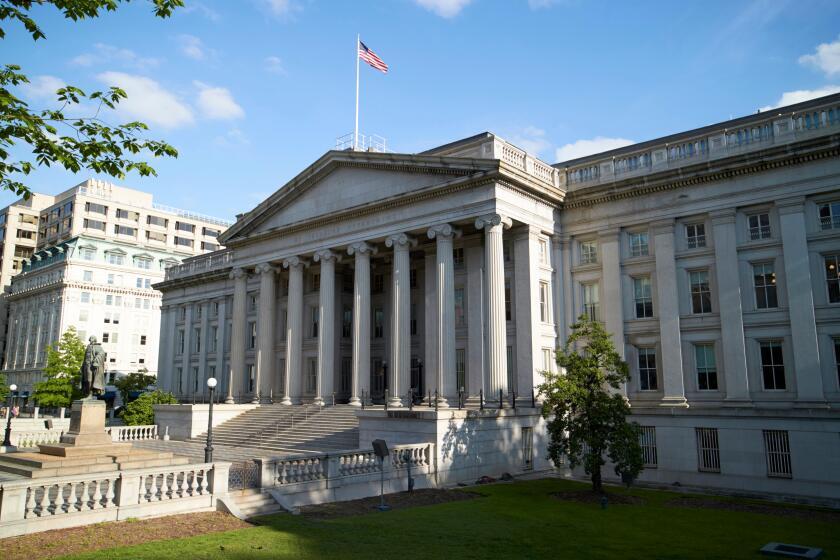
x=133, y=433
x=34, y=438
x=198, y=264
x=758, y=134
x=32, y=505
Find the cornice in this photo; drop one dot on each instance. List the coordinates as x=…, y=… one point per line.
x=194, y=279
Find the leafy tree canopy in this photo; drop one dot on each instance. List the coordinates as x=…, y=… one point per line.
x=134, y=381
x=51, y=135
x=64, y=362
x=139, y=412
x=4, y=387
x=586, y=412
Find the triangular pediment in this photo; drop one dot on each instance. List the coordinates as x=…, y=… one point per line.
x=342, y=181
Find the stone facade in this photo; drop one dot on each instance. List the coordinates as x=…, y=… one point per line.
x=710, y=255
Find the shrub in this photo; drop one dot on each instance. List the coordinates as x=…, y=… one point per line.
x=140, y=412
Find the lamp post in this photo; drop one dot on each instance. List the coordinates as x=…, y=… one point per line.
x=208, y=449
x=7, y=440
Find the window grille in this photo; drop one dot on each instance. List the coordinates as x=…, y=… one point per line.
x=708, y=450
x=777, y=449
x=647, y=440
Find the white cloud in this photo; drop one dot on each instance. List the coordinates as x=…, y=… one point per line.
x=43, y=87
x=103, y=53
x=537, y=4
x=596, y=145
x=203, y=9
x=531, y=139
x=192, y=47
x=148, y=101
x=217, y=103
x=444, y=8
x=281, y=8
x=826, y=58
x=233, y=137
x=274, y=64
x=798, y=96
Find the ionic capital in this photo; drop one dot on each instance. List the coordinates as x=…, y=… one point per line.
x=295, y=262
x=444, y=231
x=492, y=220
x=400, y=240
x=324, y=255
x=361, y=248
x=237, y=273
x=266, y=268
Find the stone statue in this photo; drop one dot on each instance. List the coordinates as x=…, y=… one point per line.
x=93, y=369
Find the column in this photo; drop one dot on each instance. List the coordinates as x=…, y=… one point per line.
x=560, y=247
x=203, y=346
x=221, y=338
x=294, y=331
x=326, y=326
x=667, y=299
x=613, y=315
x=445, y=382
x=800, y=292
x=476, y=355
x=266, y=318
x=164, y=351
x=399, y=368
x=430, y=323
x=360, y=382
x=237, y=332
x=730, y=302
x=494, y=263
x=186, y=370
x=526, y=295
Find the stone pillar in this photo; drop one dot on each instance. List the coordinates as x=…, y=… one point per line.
x=294, y=332
x=476, y=354
x=430, y=324
x=361, y=321
x=165, y=357
x=445, y=382
x=326, y=326
x=266, y=318
x=803, y=326
x=668, y=304
x=221, y=339
x=609, y=242
x=561, y=252
x=202, y=355
x=526, y=296
x=494, y=263
x=185, y=356
x=400, y=366
x=730, y=302
x=237, y=334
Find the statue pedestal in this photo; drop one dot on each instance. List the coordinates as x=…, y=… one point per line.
x=87, y=435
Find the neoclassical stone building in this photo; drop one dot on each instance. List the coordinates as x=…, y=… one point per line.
x=711, y=255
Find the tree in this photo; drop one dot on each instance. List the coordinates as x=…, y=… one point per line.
x=140, y=411
x=586, y=412
x=64, y=362
x=134, y=381
x=4, y=388
x=51, y=135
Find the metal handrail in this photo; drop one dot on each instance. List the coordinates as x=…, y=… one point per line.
x=308, y=411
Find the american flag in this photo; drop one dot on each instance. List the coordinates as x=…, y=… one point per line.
x=371, y=58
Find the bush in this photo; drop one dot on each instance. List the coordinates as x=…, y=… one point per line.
x=135, y=381
x=139, y=412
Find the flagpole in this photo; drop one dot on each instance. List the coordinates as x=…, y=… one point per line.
x=356, y=130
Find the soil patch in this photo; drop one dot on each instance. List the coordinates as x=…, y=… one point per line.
x=769, y=509
x=402, y=500
x=61, y=542
x=588, y=497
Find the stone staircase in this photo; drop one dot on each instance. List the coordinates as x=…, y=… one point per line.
x=290, y=429
x=254, y=502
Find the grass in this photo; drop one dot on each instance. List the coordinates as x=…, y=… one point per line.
x=519, y=520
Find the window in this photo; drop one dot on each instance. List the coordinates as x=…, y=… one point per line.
x=94, y=224
x=87, y=253
x=156, y=236
x=759, y=226
x=704, y=358
x=252, y=303
x=506, y=251
x=458, y=257
x=84, y=297
x=765, y=286
x=347, y=322
x=378, y=323
x=545, y=299
x=588, y=252
x=127, y=215
x=183, y=241
x=830, y=215
x=87, y=276
x=125, y=230
x=642, y=297
x=195, y=379
x=412, y=320
x=210, y=232
x=252, y=335
x=142, y=340
x=701, y=294
x=156, y=221
x=205, y=246
x=214, y=309
x=543, y=251
x=647, y=441
x=508, y=312
x=832, y=277
x=695, y=235
x=378, y=283
x=639, y=244
x=94, y=208
x=115, y=258
x=460, y=311
x=590, y=301
x=548, y=357
x=142, y=262
x=412, y=278
x=647, y=369
x=179, y=373
x=527, y=448
x=837, y=358
x=708, y=450
x=314, y=323
x=346, y=375
x=314, y=282
x=180, y=341
x=83, y=315
x=25, y=234
x=213, y=341
x=460, y=368
x=196, y=340
x=772, y=366
x=251, y=377
x=183, y=226
x=777, y=450
x=511, y=369
x=311, y=375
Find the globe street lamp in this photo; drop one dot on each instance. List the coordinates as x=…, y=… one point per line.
x=7, y=441
x=208, y=450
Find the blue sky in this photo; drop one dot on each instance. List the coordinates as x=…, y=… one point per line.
x=252, y=91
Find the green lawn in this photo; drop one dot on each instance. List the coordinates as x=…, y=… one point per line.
x=516, y=520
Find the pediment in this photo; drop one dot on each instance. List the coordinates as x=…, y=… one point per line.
x=347, y=180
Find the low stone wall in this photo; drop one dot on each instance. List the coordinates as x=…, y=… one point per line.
x=33, y=505
x=186, y=421
x=28, y=439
